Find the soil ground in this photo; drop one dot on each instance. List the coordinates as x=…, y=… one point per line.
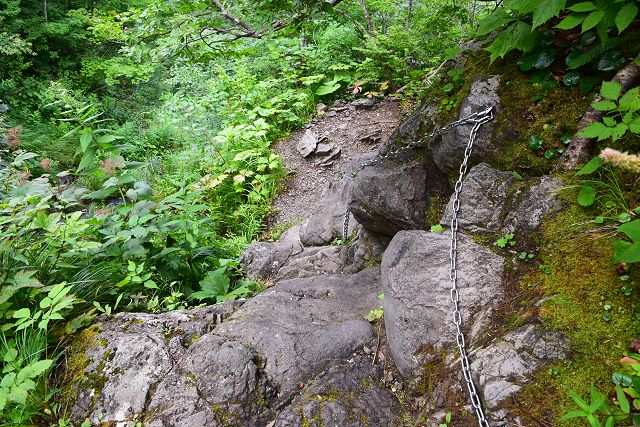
x=356, y=132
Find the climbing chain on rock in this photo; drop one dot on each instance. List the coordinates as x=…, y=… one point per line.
x=477, y=119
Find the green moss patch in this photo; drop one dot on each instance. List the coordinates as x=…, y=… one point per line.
x=583, y=300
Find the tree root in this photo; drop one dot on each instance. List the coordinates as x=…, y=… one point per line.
x=581, y=148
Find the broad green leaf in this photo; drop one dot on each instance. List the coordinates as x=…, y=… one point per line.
x=546, y=10
x=611, y=61
x=610, y=90
x=585, y=6
x=626, y=252
x=23, y=313
x=85, y=140
x=101, y=194
x=587, y=196
x=596, y=130
x=10, y=355
x=327, y=88
x=571, y=78
x=25, y=278
x=592, y=20
x=604, y=105
x=592, y=166
x=215, y=283
x=522, y=6
x=625, y=16
x=107, y=139
x=18, y=395
x=630, y=101
x=619, y=131
x=436, y=228
x=631, y=230
x=499, y=18
x=88, y=158
x=516, y=36
x=571, y=21
x=622, y=400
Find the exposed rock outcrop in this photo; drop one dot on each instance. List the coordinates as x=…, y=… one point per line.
x=448, y=151
x=495, y=202
x=417, y=305
x=169, y=369
x=347, y=395
x=502, y=367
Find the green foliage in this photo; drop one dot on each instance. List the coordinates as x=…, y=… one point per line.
x=526, y=26
x=592, y=411
x=506, y=241
x=624, y=251
x=622, y=113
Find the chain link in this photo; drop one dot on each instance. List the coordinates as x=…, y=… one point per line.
x=477, y=119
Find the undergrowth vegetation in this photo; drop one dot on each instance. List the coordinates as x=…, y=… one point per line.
x=135, y=161
x=135, y=157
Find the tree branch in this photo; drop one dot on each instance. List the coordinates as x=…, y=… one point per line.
x=230, y=16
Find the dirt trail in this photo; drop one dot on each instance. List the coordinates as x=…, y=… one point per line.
x=354, y=130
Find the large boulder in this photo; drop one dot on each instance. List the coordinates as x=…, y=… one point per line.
x=389, y=196
x=186, y=368
x=448, y=151
x=114, y=366
x=493, y=201
x=346, y=395
x=417, y=305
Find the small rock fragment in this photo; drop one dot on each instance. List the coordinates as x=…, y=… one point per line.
x=321, y=108
x=323, y=148
x=364, y=103
x=307, y=143
x=334, y=154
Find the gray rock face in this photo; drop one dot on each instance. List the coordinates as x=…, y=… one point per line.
x=533, y=204
x=300, y=326
x=263, y=260
x=417, y=306
x=325, y=225
x=347, y=395
x=449, y=151
x=494, y=201
x=307, y=143
x=483, y=199
x=183, y=368
x=315, y=261
x=502, y=367
x=388, y=197
x=114, y=371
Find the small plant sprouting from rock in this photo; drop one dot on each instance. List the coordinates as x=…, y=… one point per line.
x=447, y=420
x=526, y=256
x=376, y=313
x=436, y=228
x=505, y=241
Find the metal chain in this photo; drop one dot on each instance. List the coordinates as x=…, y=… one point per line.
x=421, y=143
x=453, y=272
x=478, y=119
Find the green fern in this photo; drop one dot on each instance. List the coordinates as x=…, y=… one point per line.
x=592, y=54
